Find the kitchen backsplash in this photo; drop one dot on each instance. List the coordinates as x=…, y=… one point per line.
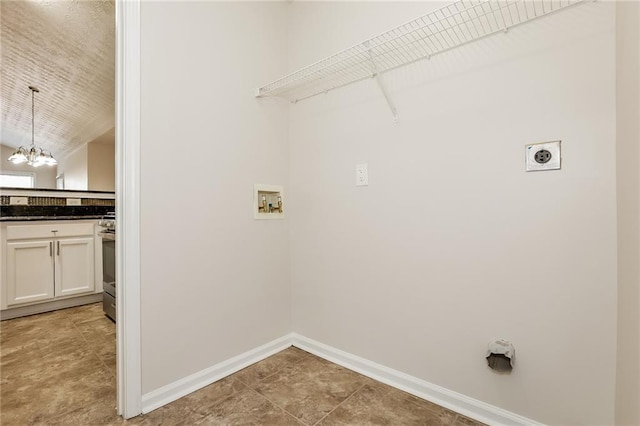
x=36, y=204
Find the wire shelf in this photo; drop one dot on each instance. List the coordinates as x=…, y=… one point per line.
x=439, y=31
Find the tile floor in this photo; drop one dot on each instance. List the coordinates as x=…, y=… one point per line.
x=53, y=363
x=59, y=369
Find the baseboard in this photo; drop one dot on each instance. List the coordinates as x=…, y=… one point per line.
x=454, y=401
x=192, y=383
x=40, y=308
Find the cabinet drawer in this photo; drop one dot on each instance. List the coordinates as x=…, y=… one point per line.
x=22, y=232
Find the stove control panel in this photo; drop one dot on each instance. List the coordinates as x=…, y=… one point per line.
x=108, y=221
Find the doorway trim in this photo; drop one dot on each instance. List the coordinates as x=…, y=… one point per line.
x=129, y=375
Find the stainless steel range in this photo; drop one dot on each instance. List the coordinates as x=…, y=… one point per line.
x=108, y=234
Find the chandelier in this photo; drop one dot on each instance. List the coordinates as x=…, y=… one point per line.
x=33, y=156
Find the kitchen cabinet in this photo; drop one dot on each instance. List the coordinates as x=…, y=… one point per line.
x=74, y=266
x=30, y=271
x=46, y=262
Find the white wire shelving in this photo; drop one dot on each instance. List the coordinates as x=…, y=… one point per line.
x=454, y=25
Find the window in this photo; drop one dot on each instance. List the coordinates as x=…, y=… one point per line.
x=17, y=180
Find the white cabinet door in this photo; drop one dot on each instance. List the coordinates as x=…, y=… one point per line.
x=29, y=271
x=74, y=266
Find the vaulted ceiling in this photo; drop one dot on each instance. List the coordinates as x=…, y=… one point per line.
x=67, y=50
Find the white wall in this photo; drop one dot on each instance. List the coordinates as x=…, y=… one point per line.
x=74, y=168
x=91, y=167
x=45, y=176
x=628, y=177
x=215, y=281
x=101, y=166
x=452, y=243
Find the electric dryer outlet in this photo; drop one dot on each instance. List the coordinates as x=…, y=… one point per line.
x=542, y=156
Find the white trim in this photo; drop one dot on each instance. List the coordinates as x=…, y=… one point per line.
x=39, y=308
x=128, y=206
x=195, y=381
x=454, y=401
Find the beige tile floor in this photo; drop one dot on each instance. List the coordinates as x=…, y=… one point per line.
x=58, y=368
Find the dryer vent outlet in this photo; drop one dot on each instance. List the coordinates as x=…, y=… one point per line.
x=500, y=355
x=499, y=363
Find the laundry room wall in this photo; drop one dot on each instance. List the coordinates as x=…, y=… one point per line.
x=452, y=243
x=215, y=281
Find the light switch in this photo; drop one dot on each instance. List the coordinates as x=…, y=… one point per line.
x=362, y=175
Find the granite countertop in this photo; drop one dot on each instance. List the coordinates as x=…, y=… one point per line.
x=41, y=218
x=35, y=213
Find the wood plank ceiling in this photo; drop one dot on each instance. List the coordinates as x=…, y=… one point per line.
x=67, y=50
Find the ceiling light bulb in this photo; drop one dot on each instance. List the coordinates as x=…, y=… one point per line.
x=18, y=156
x=41, y=159
x=49, y=160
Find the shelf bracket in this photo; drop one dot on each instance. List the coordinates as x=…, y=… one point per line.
x=382, y=87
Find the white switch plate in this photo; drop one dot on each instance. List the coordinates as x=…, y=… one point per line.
x=542, y=156
x=362, y=175
x=18, y=201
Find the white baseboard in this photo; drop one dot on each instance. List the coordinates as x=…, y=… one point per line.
x=454, y=401
x=49, y=306
x=178, y=389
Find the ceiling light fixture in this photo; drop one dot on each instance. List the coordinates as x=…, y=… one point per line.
x=33, y=156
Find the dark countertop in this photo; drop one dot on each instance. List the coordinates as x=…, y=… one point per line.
x=41, y=218
x=32, y=213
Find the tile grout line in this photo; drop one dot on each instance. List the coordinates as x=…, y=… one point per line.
x=270, y=375
x=308, y=354
x=278, y=371
x=251, y=387
x=71, y=409
x=90, y=346
x=93, y=351
x=282, y=408
x=234, y=393
x=336, y=407
x=211, y=407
